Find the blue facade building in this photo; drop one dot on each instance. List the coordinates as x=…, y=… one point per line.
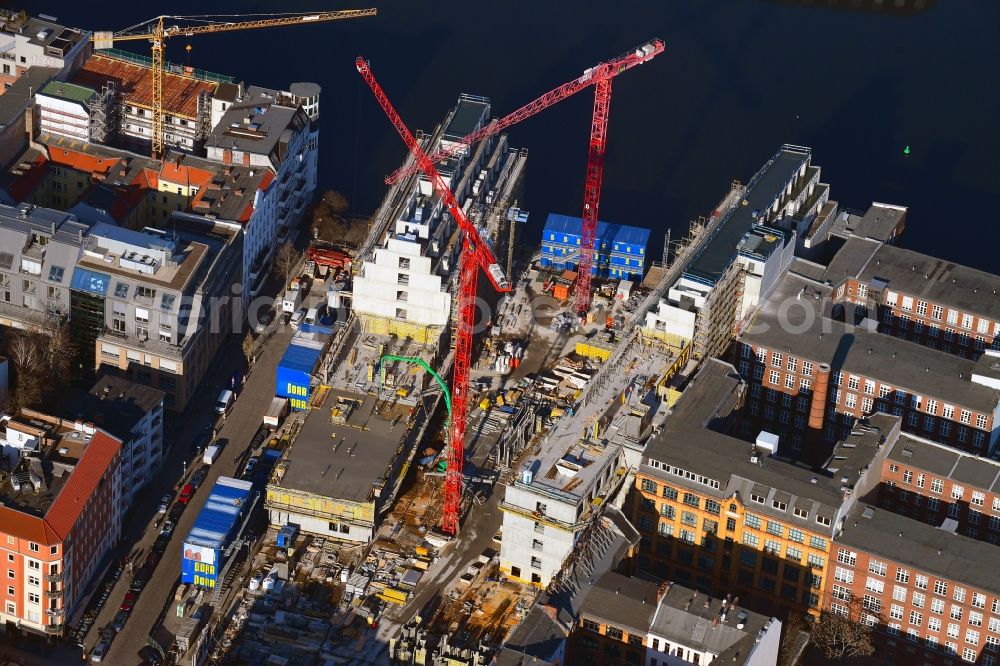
x=619, y=250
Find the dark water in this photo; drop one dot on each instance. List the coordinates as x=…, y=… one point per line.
x=739, y=78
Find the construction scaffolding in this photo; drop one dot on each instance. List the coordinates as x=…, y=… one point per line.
x=716, y=322
x=105, y=121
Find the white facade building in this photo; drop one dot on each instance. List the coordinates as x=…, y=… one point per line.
x=267, y=129
x=549, y=506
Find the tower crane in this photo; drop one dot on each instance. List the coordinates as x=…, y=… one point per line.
x=157, y=33
x=475, y=254
x=600, y=77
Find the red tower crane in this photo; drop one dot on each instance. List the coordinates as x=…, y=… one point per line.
x=600, y=77
x=475, y=254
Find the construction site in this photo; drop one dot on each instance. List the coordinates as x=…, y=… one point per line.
x=449, y=460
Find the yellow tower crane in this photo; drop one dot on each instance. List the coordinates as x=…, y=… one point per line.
x=157, y=33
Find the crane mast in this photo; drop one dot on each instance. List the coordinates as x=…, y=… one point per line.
x=475, y=254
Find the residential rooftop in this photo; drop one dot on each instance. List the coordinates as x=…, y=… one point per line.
x=343, y=461
x=935, y=280
x=145, y=256
x=770, y=183
x=688, y=453
x=706, y=624
x=923, y=547
x=20, y=94
x=68, y=91
x=806, y=332
x=135, y=84
x=946, y=462
x=471, y=112
x=878, y=223
x=261, y=122
x=57, y=39
x=115, y=404
x=628, y=603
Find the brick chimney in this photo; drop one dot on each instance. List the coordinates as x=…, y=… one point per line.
x=821, y=387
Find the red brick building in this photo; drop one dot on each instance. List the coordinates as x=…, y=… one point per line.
x=934, y=483
x=59, y=517
x=933, y=593
x=811, y=375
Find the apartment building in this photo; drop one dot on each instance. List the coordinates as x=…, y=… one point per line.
x=548, y=508
x=942, y=486
x=709, y=300
x=187, y=100
x=408, y=265
x=131, y=413
x=813, y=376
x=156, y=306
x=38, y=251
x=931, y=592
x=38, y=41
x=60, y=487
x=726, y=516
x=269, y=129
x=629, y=621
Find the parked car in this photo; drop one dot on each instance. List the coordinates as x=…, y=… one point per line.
x=120, y=619
x=164, y=503
x=187, y=492
x=141, y=578
x=128, y=602
x=168, y=528
x=264, y=320
x=161, y=543
x=150, y=656
x=198, y=477
x=100, y=650
x=176, y=511
x=201, y=440
x=152, y=559
x=224, y=401
x=250, y=466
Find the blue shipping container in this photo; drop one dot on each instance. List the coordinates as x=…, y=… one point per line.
x=619, y=250
x=294, y=372
x=217, y=523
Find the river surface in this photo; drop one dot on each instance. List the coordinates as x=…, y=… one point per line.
x=738, y=79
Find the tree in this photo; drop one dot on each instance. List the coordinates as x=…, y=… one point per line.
x=29, y=363
x=845, y=635
x=57, y=349
x=335, y=202
x=285, y=260
x=248, y=347
x=793, y=640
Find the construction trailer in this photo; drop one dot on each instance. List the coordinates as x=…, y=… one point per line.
x=296, y=368
x=203, y=551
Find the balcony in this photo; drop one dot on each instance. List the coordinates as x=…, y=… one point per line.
x=54, y=628
x=54, y=578
x=53, y=594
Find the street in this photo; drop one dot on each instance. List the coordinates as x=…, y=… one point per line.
x=237, y=430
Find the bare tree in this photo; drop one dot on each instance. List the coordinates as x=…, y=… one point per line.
x=793, y=640
x=335, y=202
x=57, y=348
x=285, y=260
x=841, y=636
x=29, y=364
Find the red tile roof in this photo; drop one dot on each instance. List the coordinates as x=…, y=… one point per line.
x=30, y=528
x=69, y=504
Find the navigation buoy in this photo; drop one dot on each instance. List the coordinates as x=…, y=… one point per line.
x=906, y=151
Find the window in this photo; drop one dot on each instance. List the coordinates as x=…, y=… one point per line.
x=981, y=420
x=771, y=546
x=794, y=554
x=896, y=612
x=940, y=587
x=899, y=592
x=918, y=599
x=751, y=539
x=875, y=585
x=817, y=542
x=972, y=637
x=752, y=521
x=873, y=604
x=965, y=416
x=934, y=624
x=776, y=359
x=843, y=575
x=937, y=606
x=956, y=612
x=841, y=592
x=692, y=500
x=649, y=486
x=847, y=557
x=978, y=600
x=145, y=292
x=793, y=364
x=959, y=594
x=669, y=493
x=915, y=618
x=937, y=486
x=775, y=528
x=815, y=561
x=796, y=535
x=33, y=597
x=975, y=619
x=877, y=568
x=775, y=377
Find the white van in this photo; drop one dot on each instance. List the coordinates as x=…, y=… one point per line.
x=224, y=402
x=210, y=455
x=312, y=316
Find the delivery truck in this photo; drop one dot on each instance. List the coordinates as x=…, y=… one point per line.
x=211, y=455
